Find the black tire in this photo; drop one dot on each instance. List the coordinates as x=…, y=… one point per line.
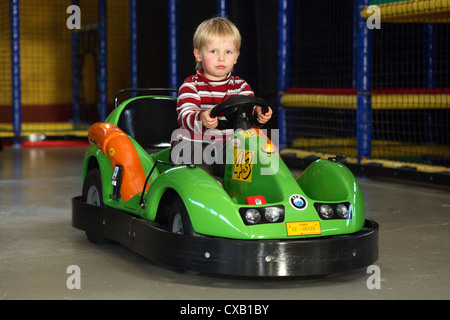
x=179, y=221
x=93, y=194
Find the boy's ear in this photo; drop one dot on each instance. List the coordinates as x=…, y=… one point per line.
x=197, y=55
x=237, y=56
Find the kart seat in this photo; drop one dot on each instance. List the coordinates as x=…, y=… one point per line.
x=150, y=121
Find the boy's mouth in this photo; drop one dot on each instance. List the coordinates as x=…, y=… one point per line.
x=220, y=67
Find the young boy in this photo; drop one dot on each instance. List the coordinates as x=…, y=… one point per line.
x=216, y=42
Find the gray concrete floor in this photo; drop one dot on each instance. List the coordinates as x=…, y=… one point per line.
x=38, y=244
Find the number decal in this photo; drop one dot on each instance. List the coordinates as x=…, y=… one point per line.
x=243, y=165
x=248, y=133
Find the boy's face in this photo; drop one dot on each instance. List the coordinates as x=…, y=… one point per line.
x=217, y=57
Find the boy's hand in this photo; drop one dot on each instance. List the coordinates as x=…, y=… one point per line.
x=263, y=118
x=207, y=121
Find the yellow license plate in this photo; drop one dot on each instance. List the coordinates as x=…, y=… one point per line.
x=303, y=228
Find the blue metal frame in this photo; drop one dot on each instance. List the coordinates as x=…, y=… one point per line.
x=429, y=55
x=364, y=86
x=354, y=32
x=173, y=44
x=102, y=73
x=75, y=73
x=429, y=74
x=15, y=71
x=284, y=7
x=222, y=8
x=133, y=46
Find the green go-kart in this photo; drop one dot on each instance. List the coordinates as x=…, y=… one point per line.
x=253, y=219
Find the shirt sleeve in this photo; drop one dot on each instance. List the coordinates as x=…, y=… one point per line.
x=244, y=89
x=189, y=107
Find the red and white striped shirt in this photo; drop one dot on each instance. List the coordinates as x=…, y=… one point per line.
x=198, y=94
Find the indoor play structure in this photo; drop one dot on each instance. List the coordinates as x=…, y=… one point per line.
x=390, y=112
x=380, y=96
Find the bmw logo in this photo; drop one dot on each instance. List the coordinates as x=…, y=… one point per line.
x=298, y=202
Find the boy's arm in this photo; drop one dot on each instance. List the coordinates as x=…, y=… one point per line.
x=258, y=119
x=189, y=107
x=262, y=118
x=207, y=121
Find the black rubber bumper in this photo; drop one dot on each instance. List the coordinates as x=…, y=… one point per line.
x=267, y=258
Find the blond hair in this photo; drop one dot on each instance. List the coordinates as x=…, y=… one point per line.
x=212, y=28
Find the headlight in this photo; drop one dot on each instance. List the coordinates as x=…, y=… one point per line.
x=272, y=214
x=342, y=211
x=262, y=215
x=326, y=211
x=252, y=216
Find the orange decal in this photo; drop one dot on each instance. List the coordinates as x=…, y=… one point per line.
x=118, y=147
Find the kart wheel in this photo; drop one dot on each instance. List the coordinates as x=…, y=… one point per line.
x=92, y=194
x=179, y=221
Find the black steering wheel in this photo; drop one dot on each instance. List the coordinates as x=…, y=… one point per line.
x=237, y=110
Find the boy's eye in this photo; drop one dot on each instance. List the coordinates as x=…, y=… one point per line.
x=228, y=52
x=213, y=51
